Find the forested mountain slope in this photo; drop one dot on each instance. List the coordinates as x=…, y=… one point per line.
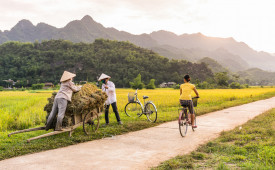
x=45, y=62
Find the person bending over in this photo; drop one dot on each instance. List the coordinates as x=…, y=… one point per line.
x=61, y=100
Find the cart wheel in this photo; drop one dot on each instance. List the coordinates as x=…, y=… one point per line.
x=90, y=123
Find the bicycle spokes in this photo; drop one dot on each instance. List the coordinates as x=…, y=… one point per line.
x=133, y=110
x=151, y=112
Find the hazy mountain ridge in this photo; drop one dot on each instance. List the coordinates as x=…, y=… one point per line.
x=235, y=56
x=261, y=60
x=252, y=76
x=213, y=65
x=256, y=76
x=226, y=59
x=84, y=30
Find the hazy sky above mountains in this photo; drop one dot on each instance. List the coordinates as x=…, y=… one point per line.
x=250, y=21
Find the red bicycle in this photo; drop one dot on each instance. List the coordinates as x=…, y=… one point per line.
x=184, y=118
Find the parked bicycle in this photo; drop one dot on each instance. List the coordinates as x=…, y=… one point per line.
x=184, y=118
x=135, y=109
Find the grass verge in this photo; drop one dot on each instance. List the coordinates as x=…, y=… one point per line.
x=250, y=146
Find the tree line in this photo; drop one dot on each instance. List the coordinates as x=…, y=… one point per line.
x=33, y=63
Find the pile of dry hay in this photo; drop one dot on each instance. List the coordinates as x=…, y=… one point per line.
x=84, y=101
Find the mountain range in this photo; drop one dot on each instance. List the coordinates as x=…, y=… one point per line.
x=232, y=55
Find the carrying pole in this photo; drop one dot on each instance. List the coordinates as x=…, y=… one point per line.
x=27, y=130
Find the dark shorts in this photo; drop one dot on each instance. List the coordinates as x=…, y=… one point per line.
x=188, y=104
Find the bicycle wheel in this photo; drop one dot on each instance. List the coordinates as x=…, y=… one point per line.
x=151, y=112
x=133, y=110
x=90, y=123
x=183, y=125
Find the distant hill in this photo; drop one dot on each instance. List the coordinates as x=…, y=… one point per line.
x=227, y=60
x=235, y=56
x=256, y=76
x=213, y=65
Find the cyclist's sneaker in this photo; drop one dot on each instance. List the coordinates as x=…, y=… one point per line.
x=194, y=126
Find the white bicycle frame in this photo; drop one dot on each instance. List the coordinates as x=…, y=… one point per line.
x=138, y=101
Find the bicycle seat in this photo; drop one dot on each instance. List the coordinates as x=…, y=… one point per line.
x=145, y=97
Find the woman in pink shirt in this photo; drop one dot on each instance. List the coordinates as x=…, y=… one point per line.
x=61, y=100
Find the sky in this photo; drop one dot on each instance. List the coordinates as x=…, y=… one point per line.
x=249, y=21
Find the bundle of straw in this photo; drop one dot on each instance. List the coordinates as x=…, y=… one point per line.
x=84, y=101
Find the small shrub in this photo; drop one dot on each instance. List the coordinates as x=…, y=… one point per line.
x=205, y=85
x=246, y=86
x=151, y=84
x=175, y=164
x=235, y=85
x=38, y=86
x=57, y=87
x=137, y=84
x=177, y=86
x=198, y=155
x=1, y=88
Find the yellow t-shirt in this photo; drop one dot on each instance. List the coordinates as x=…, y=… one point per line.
x=186, y=90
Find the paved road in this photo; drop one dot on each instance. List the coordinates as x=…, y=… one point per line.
x=142, y=149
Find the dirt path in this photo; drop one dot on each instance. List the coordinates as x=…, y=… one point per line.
x=141, y=149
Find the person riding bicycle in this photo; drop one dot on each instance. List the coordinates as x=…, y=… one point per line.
x=185, y=96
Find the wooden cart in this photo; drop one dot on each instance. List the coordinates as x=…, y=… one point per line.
x=89, y=121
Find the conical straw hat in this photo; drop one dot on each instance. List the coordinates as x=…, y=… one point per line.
x=66, y=76
x=103, y=76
